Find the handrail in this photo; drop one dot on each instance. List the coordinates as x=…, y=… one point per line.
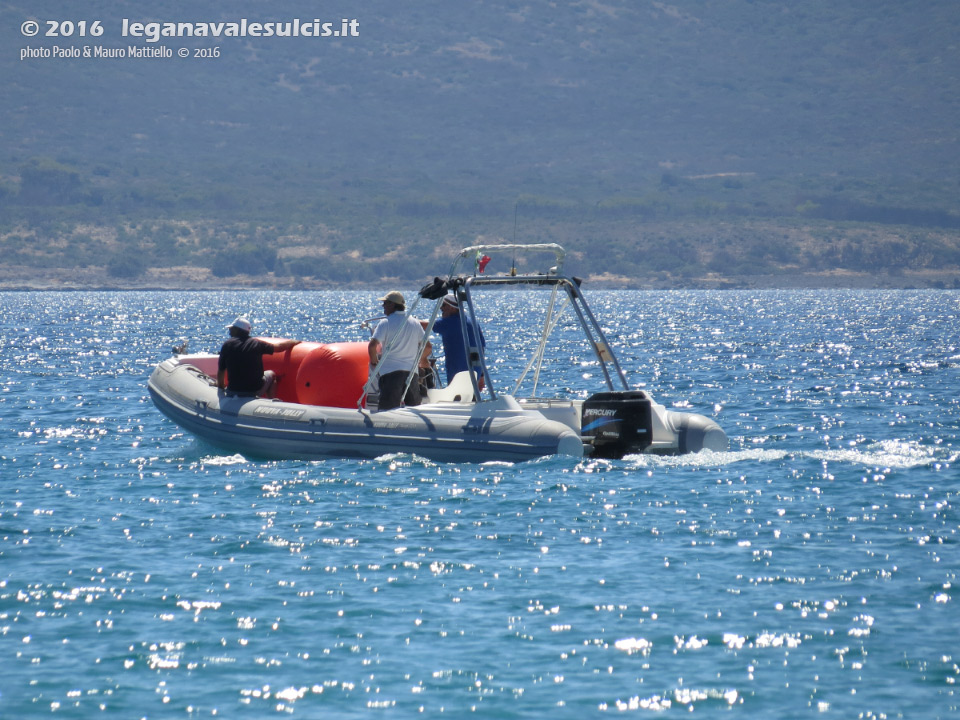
x=550, y=323
x=460, y=284
x=559, y=253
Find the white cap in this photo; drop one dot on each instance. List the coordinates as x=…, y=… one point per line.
x=241, y=323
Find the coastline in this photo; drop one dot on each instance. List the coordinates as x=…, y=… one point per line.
x=189, y=278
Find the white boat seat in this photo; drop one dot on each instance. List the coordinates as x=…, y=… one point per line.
x=460, y=389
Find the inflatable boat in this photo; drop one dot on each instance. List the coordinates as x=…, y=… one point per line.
x=325, y=404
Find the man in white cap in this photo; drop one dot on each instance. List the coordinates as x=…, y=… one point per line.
x=241, y=362
x=447, y=326
x=402, y=335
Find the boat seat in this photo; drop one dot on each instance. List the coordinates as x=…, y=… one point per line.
x=460, y=389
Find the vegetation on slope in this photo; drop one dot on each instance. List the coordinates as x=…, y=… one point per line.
x=664, y=142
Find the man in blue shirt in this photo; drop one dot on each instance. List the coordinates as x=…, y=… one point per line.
x=449, y=330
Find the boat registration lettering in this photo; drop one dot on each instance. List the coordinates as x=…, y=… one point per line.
x=279, y=412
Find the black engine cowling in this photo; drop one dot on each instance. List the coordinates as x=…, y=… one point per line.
x=617, y=423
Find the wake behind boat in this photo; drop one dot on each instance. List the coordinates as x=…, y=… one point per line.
x=325, y=406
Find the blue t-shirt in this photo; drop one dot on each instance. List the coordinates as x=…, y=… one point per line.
x=454, y=351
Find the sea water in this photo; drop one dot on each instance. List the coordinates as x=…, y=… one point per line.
x=811, y=570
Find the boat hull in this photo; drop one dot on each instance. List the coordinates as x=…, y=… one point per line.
x=259, y=427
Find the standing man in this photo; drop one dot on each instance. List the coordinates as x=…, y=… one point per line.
x=241, y=361
x=449, y=330
x=403, y=335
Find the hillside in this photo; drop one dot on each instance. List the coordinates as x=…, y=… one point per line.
x=788, y=127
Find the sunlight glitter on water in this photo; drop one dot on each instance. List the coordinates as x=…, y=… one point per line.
x=143, y=574
x=888, y=454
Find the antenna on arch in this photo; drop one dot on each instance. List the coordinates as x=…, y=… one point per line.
x=513, y=266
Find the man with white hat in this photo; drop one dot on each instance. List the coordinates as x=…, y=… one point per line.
x=401, y=335
x=241, y=362
x=447, y=326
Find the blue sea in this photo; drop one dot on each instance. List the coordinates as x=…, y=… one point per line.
x=811, y=571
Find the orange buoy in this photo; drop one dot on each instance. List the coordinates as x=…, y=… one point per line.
x=286, y=365
x=333, y=375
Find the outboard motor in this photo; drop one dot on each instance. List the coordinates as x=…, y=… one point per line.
x=617, y=423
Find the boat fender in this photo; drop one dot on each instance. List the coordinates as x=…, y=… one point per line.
x=333, y=375
x=617, y=423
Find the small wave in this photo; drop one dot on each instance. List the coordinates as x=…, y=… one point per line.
x=686, y=697
x=73, y=432
x=215, y=460
x=887, y=453
x=398, y=461
x=894, y=454
x=706, y=458
x=925, y=366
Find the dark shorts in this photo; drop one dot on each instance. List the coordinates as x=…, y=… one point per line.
x=266, y=387
x=391, y=390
